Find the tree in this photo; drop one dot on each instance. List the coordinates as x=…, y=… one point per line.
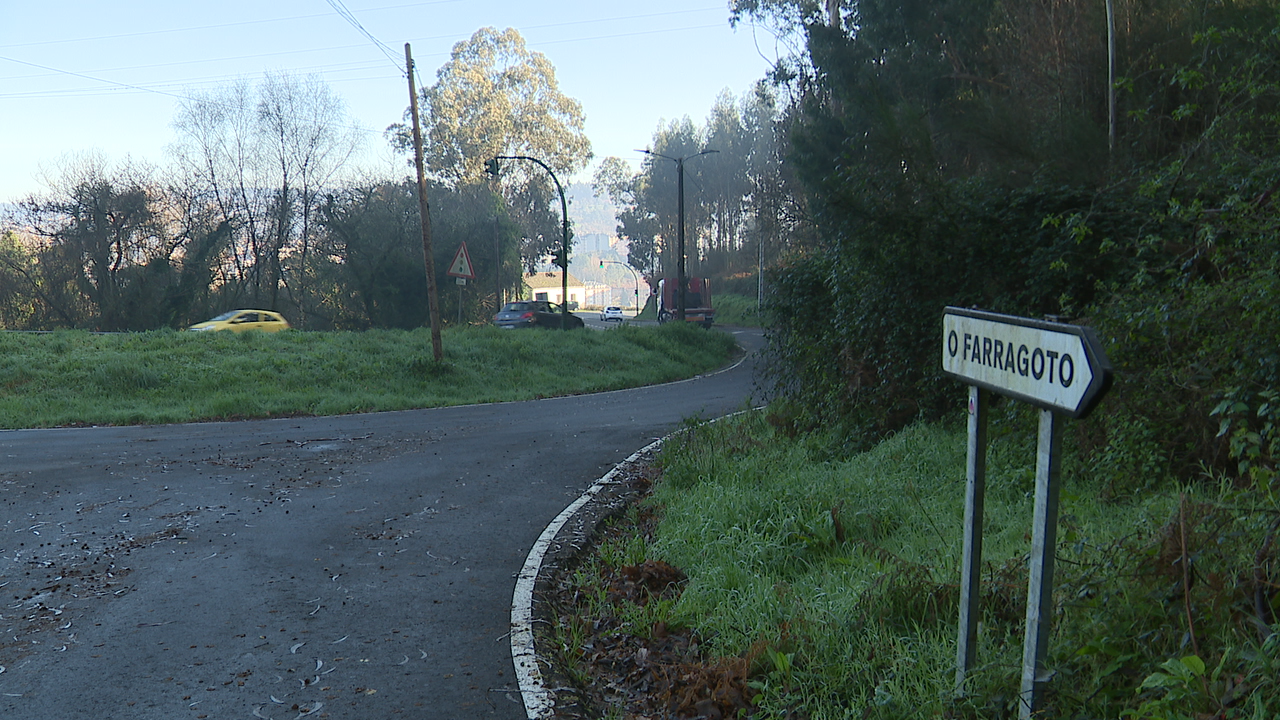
x=110, y=250
x=374, y=256
x=372, y=253
x=636, y=223
x=262, y=155
x=731, y=197
x=302, y=123
x=19, y=306
x=495, y=97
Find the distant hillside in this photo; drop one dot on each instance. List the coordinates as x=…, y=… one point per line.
x=591, y=215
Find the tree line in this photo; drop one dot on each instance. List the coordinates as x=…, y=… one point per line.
x=998, y=155
x=259, y=207
x=740, y=210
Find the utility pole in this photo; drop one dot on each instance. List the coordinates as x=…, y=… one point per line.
x=1111, y=77
x=681, y=280
x=682, y=283
x=433, y=302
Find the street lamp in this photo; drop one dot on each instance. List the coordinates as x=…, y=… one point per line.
x=562, y=257
x=633, y=272
x=680, y=278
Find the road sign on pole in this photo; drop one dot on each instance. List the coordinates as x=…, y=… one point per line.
x=1061, y=369
x=461, y=265
x=1051, y=365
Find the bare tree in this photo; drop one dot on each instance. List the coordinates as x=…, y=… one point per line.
x=263, y=155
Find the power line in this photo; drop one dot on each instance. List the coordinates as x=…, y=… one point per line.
x=345, y=14
x=90, y=77
x=143, y=87
x=164, y=87
x=291, y=18
x=125, y=86
x=217, y=26
x=366, y=63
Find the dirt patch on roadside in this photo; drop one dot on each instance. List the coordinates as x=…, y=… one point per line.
x=595, y=659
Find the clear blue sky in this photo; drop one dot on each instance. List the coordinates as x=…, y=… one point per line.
x=82, y=75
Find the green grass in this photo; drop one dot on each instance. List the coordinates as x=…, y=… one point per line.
x=737, y=310
x=79, y=378
x=861, y=621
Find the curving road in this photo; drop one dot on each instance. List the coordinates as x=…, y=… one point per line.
x=348, y=567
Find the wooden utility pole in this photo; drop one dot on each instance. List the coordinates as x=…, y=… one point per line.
x=433, y=301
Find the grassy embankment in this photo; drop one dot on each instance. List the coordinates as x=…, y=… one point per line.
x=836, y=581
x=78, y=378
x=737, y=310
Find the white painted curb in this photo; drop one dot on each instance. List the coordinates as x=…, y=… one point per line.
x=538, y=702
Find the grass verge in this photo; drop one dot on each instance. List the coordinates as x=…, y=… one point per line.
x=830, y=589
x=79, y=378
x=737, y=310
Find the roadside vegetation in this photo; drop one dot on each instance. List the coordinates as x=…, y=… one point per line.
x=737, y=310
x=72, y=377
x=761, y=576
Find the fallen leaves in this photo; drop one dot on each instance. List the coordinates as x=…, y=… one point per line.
x=652, y=672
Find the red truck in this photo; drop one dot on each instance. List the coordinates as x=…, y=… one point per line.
x=697, y=301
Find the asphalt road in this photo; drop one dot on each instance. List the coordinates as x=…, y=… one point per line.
x=348, y=567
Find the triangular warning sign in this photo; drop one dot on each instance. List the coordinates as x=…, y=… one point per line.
x=461, y=265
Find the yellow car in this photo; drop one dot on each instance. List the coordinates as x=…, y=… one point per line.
x=241, y=320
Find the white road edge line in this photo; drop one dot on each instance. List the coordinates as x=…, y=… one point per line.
x=538, y=703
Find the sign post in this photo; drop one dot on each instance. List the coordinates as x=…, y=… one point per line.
x=971, y=561
x=1061, y=369
x=460, y=268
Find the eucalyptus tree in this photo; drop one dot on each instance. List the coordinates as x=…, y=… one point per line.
x=732, y=197
x=638, y=224
x=496, y=97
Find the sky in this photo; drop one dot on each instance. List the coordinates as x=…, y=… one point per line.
x=85, y=76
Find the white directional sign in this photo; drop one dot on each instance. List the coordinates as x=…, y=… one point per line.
x=1051, y=365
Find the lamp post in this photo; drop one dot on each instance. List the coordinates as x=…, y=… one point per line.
x=681, y=281
x=633, y=273
x=562, y=257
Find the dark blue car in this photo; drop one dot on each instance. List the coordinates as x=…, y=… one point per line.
x=534, y=314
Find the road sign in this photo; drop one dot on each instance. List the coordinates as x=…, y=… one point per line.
x=1052, y=365
x=461, y=265
x=1061, y=369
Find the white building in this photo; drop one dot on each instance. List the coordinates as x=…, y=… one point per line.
x=550, y=286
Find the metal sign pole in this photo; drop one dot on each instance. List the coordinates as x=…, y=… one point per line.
x=971, y=565
x=1061, y=369
x=1044, y=540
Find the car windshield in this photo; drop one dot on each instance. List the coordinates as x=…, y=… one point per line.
x=224, y=316
x=517, y=307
